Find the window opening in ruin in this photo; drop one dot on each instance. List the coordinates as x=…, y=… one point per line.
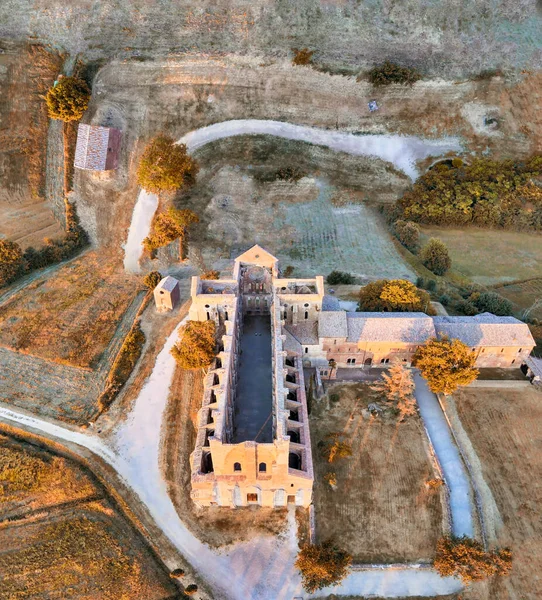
x=236, y=466
x=262, y=468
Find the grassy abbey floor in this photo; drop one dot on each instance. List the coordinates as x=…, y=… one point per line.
x=382, y=511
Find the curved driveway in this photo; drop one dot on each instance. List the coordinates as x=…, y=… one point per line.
x=402, y=151
x=261, y=569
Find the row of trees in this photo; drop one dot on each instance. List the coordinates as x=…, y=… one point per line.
x=486, y=192
x=434, y=255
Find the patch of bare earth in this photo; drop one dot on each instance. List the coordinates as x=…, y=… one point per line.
x=61, y=537
x=71, y=315
x=381, y=511
x=215, y=526
x=504, y=428
x=26, y=72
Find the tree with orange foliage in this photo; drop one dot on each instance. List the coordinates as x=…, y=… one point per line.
x=196, y=347
x=466, y=558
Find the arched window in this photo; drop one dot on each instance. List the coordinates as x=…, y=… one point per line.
x=262, y=468
x=236, y=466
x=306, y=314
x=226, y=315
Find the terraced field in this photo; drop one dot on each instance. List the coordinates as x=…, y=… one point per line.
x=381, y=488
x=60, y=537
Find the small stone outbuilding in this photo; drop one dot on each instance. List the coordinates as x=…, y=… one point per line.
x=167, y=294
x=97, y=148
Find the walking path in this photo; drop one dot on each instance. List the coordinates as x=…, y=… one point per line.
x=261, y=569
x=456, y=476
x=402, y=151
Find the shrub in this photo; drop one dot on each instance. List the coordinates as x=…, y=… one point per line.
x=152, y=279
x=322, y=565
x=177, y=573
x=196, y=346
x=431, y=285
x=302, y=56
x=288, y=271
x=420, y=282
x=334, y=397
x=493, y=303
x=466, y=558
x=191, y=589
x=466, y=307
x=408, y=233
x=331, y=478
x=389, y=73
x=435, y=256
x=446, y=364
x=445, y=299
x=165, y=166
x=11, y=261
x=395, y=295
x=211, y=275
x=340, y=277
x=68, y=99
x=291, y=174
x=334, y=447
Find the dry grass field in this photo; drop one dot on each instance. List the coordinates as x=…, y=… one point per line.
x=61, y=538
x=526, y=296
x=490, y=256
x=25, y=74
x=382, y=511
x=70, y=316
x=323, y=221
x=504, y=427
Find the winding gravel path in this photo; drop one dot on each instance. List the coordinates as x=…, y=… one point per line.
x=454, y=471
x=402, y=151
x=261, y=569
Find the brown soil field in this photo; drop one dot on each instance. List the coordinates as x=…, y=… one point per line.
x=26, y=73
x=60, y=537
x=503, y=426
x=525, y=295
x=216, y=526
x=32, y=479
x=70, y=316
x=382, y=510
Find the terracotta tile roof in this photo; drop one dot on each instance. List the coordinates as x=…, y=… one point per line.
x=332, y=324
x=168, y=283
x=92, y=147
x=305, y=332
x=413, y=328
x=485, y=329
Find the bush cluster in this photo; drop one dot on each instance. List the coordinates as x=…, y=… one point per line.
x=389, y=73
x=152, y=279
x=395, y=295
x=322, y=565
x=486, y=193
x=122, y=367
x=196, y=347
x=435, y=256
x=340, y=277
x=466, y=558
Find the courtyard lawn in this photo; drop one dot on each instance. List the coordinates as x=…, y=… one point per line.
x=382, y=510
x=489, y=256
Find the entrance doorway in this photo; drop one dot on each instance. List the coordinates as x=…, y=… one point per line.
x=291, y=499
x=252, y=498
